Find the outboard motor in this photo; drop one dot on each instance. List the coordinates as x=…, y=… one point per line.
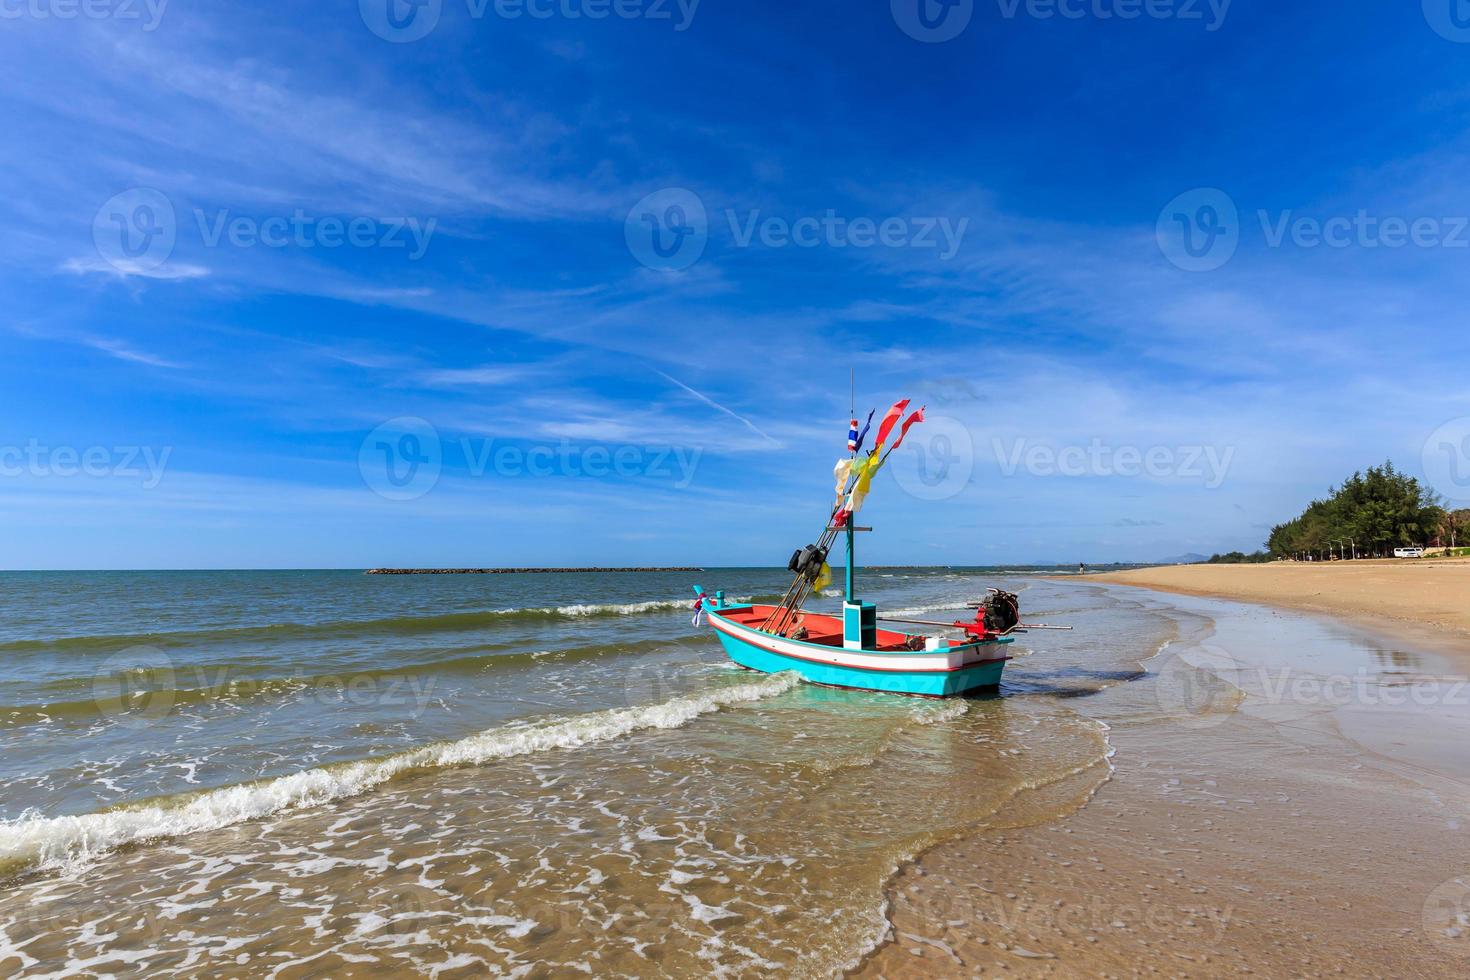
x=1001, y=611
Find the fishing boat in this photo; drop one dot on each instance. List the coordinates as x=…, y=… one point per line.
x=851, y=650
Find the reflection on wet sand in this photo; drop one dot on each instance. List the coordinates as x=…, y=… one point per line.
x=1266, y=837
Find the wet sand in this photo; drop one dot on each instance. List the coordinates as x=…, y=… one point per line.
x=1260, y=819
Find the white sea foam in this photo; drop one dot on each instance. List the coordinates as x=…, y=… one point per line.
x=946, y=711
x=70, y=842
x=957, y=604
x=611, y=608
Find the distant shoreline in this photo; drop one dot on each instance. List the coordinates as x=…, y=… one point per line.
x=514, y=571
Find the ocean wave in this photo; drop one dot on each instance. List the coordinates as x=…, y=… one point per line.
x=104, y=693
x=68, y=843
x=348, y=627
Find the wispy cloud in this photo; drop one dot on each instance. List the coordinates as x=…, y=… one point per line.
x=125, y=352
x=489, y=375
x=720, y=408
x=123, y=268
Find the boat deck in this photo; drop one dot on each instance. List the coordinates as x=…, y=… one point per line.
x=820, y=629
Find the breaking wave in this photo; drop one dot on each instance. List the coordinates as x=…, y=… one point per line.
x=393, y=624
x=70, y=842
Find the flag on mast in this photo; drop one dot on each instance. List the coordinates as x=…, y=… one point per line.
x=889, y=421
x=842, y=472
x=863, y=434
x=852, y=436
x=916, y=417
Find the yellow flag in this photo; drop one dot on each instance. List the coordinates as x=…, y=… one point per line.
x=865, y=471
x=824, y=578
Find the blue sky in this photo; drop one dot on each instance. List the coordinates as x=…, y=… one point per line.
x=254, y=259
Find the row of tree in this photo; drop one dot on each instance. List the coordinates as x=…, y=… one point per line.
x=1240, y=558
x=1371, y=513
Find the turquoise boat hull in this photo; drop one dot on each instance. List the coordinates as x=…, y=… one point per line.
x=948, y=672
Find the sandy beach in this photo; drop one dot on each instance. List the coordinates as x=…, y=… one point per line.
x=1425, y=594
x=1285, y=799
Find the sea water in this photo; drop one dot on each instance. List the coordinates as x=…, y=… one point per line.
x=324, y=773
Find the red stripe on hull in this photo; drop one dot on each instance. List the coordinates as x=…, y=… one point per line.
x=720, y=624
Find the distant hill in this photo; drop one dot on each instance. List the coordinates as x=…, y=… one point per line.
x=1187, y=559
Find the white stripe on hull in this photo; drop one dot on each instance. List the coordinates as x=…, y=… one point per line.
x=954, y=658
